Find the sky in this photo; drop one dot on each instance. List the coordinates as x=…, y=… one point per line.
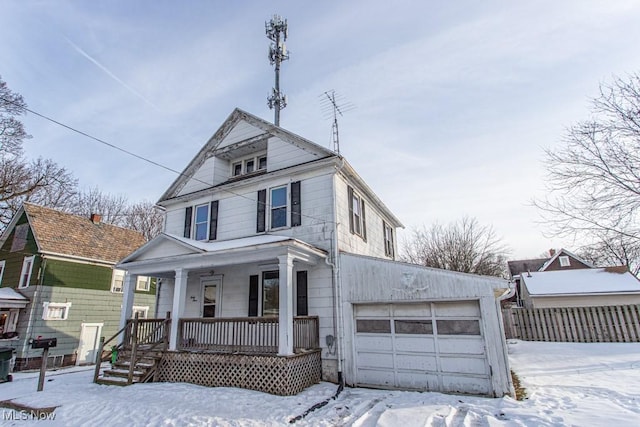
x=566, y=384
x=455, y=102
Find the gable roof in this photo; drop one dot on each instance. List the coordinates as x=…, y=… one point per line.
x=524, y=265
x=582, y=281
x=564, y=252
x=264, y=130
x=60, y=233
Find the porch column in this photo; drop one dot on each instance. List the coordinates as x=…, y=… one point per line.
x=128, y=293
x=285, y=316
x=177, y=311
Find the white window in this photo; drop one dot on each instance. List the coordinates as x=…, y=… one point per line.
x=141, y=310
x=25, y=275
x=564, y=261
x=278, y=207
x=2, y=264
x=249, y=165
x=117, y=281
x=143, y=283
x=202, y=222
x=357, y=214
x=388, y=240
x=55, y=310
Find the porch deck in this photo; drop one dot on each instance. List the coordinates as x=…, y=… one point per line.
x=226, y=352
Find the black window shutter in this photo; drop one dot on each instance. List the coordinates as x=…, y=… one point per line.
x=262, y=211
x=296, y=208
x=364, y=221
x=301, y=294
x=350, y=197
x=213, y=220
x=188, y=212
x=253, y=296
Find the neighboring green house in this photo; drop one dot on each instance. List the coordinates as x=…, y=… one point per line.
x=57, y=279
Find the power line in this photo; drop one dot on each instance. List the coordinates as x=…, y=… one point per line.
x=145, y=159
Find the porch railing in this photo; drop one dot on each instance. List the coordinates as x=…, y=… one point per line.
x=252, y=335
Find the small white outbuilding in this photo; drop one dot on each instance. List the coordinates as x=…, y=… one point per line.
x=412, y=327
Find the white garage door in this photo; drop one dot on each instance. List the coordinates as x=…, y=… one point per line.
x=436, y=346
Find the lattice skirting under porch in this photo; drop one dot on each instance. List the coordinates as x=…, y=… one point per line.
x=280, y=375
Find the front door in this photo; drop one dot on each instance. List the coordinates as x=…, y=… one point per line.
x=210, y=295
x=88, y=345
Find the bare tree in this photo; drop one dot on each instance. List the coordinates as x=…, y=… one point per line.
x=613, y=252
x=12, y=131
x=146, y=218
x=594, y=179
x=112, y=208
x=464, y=246
x=40, y=181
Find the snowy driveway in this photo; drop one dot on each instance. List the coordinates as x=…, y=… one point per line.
x=567, y=384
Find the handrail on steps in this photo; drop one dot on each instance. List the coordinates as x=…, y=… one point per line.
x=135, y=351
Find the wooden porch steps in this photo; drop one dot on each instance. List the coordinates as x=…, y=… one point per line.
x=119, y=372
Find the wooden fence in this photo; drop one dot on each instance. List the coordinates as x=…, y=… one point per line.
x=574, y=324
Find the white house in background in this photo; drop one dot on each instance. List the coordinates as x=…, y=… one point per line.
x=277, y=253
x=580, y=287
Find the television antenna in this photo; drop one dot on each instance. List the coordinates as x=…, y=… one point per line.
x=333, y=105
x=277, y=31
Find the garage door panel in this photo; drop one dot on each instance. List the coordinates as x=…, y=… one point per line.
x=416, y=343
x=418, y=381
x=377, y=310
x=467, y=345
x=462, y=384
x=419, y=362
x=464, y=365
x=376, y=377
x=412, y=310
x=457, y=309
x=373, y=342
x=375, y=360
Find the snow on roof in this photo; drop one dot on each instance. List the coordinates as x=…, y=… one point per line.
x=231, y=244
x=581, y=281
x=10, y=293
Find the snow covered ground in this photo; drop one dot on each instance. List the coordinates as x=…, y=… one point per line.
x=567, y=384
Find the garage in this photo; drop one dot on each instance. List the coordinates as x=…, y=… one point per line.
x=435, y=346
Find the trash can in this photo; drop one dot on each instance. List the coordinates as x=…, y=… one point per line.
x=6, y=354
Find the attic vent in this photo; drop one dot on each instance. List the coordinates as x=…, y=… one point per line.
x=95, y=218
x=564, y=261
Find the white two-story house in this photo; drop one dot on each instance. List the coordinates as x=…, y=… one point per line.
x=277, y=268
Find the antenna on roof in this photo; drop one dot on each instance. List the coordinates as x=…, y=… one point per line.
x=277, y=31
x=332, y=108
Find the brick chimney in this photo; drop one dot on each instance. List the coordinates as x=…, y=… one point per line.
x=95, y=218
x=552, y=252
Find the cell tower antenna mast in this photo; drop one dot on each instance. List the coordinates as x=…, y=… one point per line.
x=277, y=31
x=331, y=105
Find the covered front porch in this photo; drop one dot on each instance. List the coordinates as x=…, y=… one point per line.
x=239, y=314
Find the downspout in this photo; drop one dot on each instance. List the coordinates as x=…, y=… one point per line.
x=337, y=288
x=34, y=302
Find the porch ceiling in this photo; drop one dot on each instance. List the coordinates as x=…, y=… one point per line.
x=164, y=254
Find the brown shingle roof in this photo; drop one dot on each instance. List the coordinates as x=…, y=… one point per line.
x=74, y=235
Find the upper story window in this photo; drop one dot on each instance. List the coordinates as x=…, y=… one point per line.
x=117, y=281
x=25, y=274
x=249, y=165
x=564, y=261
x=388, y=239
x=201, y=223
x=20, y=234
x=2, y=264
x=357, y=219
x=279, y=207
x=143, y=283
